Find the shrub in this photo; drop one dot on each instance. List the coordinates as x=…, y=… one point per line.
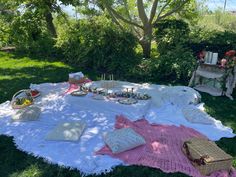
x=175, y=61
x=98, y=45
x=214, y=41
x=29, y=34
x=174, y=66
x=171, y=33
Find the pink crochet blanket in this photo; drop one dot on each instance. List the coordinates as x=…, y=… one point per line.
x=162, y=149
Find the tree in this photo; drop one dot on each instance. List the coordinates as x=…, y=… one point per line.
x=8, y=10
x=45, y=9
x=42, y=8
x=134, y=13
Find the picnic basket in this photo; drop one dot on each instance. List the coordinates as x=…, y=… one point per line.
x=206, y=156
x=77, y=81
x=19, y=96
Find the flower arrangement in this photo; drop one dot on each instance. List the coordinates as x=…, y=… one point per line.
x=229, y=59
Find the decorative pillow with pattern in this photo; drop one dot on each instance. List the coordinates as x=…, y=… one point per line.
x=195, y=115
x=67, y=131
x=27, y=114
x=124, y=139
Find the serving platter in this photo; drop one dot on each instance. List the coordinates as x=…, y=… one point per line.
x=127, y=101
x=79, y=93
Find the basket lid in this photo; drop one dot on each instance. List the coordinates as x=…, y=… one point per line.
x=207, y=148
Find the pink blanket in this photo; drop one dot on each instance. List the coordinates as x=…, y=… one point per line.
x=162, y=149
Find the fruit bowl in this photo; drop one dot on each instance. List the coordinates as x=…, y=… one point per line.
x=34, y=93
x=22, y=99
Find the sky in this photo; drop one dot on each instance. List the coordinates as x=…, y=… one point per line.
x=212, y=5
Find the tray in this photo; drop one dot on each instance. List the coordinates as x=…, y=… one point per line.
x=127, y=101
x=79, y=93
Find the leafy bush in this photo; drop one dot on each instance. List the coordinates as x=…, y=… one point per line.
x=215, y=41
x=98, y=45
x=175, y=61
x=29, y=34
x=171, y=33
x=174, y=66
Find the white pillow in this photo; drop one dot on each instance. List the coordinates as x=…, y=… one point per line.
x=195, y=115
x=181, y=96
x=123, y=139
x=67, y=131
x=27, y=114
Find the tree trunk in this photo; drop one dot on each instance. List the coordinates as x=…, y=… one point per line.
x=146, y=40
x=146, y=46
x=50, y=26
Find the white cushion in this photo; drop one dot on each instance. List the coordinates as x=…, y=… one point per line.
x=195, y=115
x=27, y=114
x=181, y=96
x=67, y=131
x=123, y=139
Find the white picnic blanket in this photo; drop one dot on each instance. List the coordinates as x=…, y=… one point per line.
x=165, y=107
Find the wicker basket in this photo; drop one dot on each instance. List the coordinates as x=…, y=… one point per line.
x=76, y=81
x=16, y=96
x=206, y=156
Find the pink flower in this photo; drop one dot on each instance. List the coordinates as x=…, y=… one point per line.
x=223, y=62
x=230, y=53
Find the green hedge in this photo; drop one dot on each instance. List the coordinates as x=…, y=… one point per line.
x=175, y=61
x=98, y=45
x=214, y=41
x=30, y=36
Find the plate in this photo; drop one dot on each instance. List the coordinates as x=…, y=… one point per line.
x=127, y=101
x=79, y=93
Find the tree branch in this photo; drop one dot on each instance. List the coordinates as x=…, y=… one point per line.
x=137, y=33
x=114, y=19
x=116, y=15
x=129, y=16
x=153, y=11
x=172, y=11
x=141, y=12
x=162, y=9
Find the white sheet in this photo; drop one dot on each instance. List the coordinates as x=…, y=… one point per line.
x=99, y=117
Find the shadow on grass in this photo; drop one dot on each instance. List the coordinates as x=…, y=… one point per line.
x=17, y=79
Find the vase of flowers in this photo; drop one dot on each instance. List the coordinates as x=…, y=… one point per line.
x=229, y=59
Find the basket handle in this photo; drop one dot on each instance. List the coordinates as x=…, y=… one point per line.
x=19, y=92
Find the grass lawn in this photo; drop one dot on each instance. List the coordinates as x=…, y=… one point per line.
x=18, y=72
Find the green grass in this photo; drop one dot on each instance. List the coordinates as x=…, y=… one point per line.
x=18, y=72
